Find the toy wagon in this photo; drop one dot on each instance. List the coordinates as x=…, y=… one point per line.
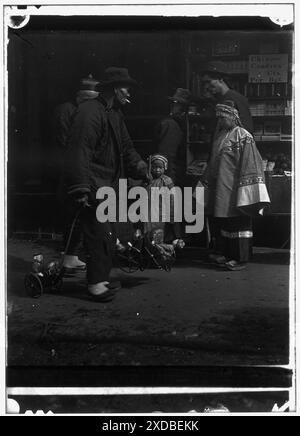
x=49, y=277
x=146, y=251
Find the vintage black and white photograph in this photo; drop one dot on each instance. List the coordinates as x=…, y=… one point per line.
x=149, y=188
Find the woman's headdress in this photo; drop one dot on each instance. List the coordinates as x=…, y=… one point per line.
x=227, y=110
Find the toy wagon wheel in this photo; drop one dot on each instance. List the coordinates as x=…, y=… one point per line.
x=137, y=261
x=167, y=267
x=33, y=285
x=127, y=264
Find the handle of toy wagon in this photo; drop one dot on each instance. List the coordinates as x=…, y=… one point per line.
x=71, y=231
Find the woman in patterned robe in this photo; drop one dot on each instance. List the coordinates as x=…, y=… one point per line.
x=236, y=187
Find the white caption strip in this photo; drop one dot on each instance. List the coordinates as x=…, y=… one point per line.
x=133, y=391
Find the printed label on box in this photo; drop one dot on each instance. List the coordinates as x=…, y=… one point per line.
x=269, y=68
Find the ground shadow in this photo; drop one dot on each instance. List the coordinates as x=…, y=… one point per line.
x=75, y=287
x=17, y=268
x=261, y=332
x=272, y=258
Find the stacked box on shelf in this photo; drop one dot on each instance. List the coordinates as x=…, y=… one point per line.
x=270, y=138
x=272, y=127
x=237, y=66
x=257, y=109
x=274, y=109
x=268, y=90
x=258, y=130
x=269, y=109
x=288, y=110
x=284, y=137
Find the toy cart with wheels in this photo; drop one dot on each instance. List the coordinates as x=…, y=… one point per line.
x=42, y=278
x=147, y=251
x=47, y=277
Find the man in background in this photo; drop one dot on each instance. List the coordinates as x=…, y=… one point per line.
x=63, y=118
x=64, y=113
x=215, y=79
x=170, y=135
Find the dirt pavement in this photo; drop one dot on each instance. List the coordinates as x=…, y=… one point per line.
x=194, y=315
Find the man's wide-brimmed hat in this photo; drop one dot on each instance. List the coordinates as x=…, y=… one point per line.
x=182, y=96
x=117, y=76
x=215, y=67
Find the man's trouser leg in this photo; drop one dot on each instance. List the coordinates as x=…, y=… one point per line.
x=99, y=240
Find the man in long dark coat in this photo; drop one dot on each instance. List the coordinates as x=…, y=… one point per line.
x=63, y=119
x=170, y=136
x=100, y=151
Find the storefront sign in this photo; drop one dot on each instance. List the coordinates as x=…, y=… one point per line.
x=226, y=47
x=268, y=68
x=237, y=67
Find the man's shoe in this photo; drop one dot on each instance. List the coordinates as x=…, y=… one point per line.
x=103, y=292
x=114, y=286
x=106, y=297
x=217, y=259
x=233, y=265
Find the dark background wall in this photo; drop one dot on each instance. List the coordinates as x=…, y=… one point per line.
x=44, y=71
x=47, y=58
x=49, y=55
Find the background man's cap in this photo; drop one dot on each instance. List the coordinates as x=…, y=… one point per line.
x=215, y=67
x=88, y=83
x=117, y=76
x=181, y=96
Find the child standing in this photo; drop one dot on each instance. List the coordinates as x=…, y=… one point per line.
x=169, y=230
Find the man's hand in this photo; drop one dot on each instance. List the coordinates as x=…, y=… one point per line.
x=83, y=200
x=142, y=171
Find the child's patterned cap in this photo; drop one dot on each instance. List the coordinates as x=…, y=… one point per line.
x=161, y=158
